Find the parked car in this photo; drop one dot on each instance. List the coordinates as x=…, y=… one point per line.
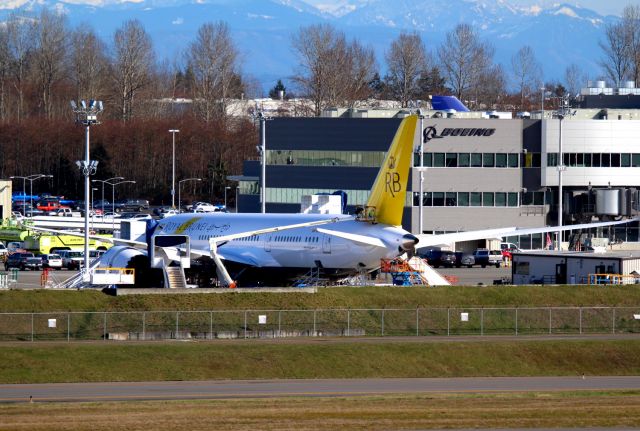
x=17, y=260
x=33, y=263
x=168, y=213
x=481, y=257
x=26, y=209
x=496, y=258
x=95, y=254
x=4, y=251
x=51, y=261
x=71, y=259
x=131, y=205
x=205, y=207
x=467, y=260
x=437, y=258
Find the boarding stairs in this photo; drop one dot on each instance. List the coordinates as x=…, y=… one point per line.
x=174, y=277
x=311, y=278
x=82, y=279
x=577, y=241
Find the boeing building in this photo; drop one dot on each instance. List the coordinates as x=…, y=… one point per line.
x=475, y=170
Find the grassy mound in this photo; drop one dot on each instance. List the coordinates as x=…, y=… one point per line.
x=339, y=297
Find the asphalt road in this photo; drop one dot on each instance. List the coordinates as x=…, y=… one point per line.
x=61, y=392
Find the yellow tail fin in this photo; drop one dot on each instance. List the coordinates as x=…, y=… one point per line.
x=389, y=192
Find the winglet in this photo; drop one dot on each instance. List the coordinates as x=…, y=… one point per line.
x=389, y=192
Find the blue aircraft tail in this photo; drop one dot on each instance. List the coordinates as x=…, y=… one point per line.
x=445, y=103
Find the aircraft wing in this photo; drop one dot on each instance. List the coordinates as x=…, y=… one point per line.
x=369, y=240
x=117, y=241
x=498, y=233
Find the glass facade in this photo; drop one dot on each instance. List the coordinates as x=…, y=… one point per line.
x=472, y=199
x=595, y=160
x=470, y=160
x=366, y=159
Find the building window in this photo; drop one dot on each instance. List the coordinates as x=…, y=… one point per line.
x=605, y=160
x=487, y=199
x=501, y=199
x=488, y=160
x=428, y=160
x=501, y=160
x=513, y=160
x=512, y=199
x=451, y=160
x=427, y=199
x=625, y=160
x=438, y=199
x=450, y=199
x=463, y=160
x=552, y=159
x=476, y=199
x=438, y=160
x=476, y=160
x=463, y=199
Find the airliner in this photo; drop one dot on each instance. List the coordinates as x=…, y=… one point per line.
x=276, y=249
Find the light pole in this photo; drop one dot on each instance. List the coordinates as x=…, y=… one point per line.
x=263, y=153
x=87, y=116
x=560, y=168
x=179, y=186
x=107, y=181
x=173, y=169
x=225, y=196
x=113, y=193
x=421, y=207
x=31, y=179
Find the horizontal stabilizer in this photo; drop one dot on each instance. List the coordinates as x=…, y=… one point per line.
x=369, y=240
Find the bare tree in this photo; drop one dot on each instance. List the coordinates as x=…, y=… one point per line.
x=50, y=55
x=316, y=48
x=616, y=62
x=5, y=65
x=89, y=64
x=132, y=64
x=359, y=71
x=212, y=59
x=406, y=62
x=631, y=24
x=464, y=59
x=20, y=39
x=492, y=87
x=574, y=79
x=526, y=72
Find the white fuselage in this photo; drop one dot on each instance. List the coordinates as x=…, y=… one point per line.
x=291, y=248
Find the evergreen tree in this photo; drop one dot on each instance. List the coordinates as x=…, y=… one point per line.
x=274, y=93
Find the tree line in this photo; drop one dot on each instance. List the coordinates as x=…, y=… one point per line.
x=44, y=63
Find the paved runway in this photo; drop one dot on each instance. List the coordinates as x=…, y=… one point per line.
x=302, y=388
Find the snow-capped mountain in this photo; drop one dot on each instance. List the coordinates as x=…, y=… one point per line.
x=560, y=35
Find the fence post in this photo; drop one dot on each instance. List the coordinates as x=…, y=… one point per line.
x=211, y=325
x=68, y=325
x=549, y=320
x=177, y=323
x=613, y=326
x=31, y=326
x=104, y=327
x=382, y=323
x=314, y=323
x=516, y=320
x=481, y=321
x=245, y=324
x=448, y=322
x=279, y=323
x=580, y=320
x=144, y=325
x=417, y=322
x=348, y=322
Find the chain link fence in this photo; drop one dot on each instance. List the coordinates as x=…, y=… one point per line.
x=159, y=325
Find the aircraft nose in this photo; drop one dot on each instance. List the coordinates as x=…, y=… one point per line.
x=408, y=242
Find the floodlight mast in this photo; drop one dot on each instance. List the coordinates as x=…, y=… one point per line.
x=87, y=116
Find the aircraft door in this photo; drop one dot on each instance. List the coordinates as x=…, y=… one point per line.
x=267, y=243
x=326, y=244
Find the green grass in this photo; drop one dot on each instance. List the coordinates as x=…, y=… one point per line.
x=95, y=362
x=339, y=297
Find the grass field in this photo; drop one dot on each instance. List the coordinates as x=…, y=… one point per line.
x=339, y=297
x=530, y=410
x=98, y=362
